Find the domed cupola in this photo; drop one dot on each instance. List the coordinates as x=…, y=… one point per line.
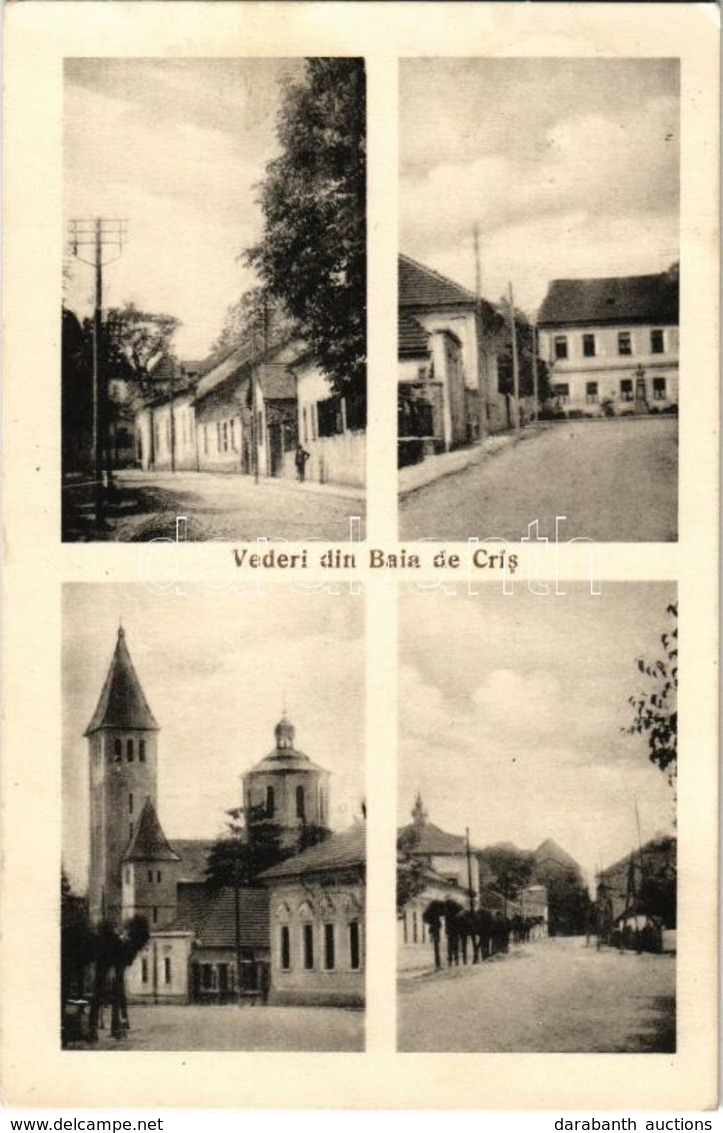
x=285, y=788
x=284, y=732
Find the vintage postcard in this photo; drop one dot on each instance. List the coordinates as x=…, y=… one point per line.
x=361, y=456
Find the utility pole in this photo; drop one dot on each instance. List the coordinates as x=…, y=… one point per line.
x=535, y=378
x=481, y=359
x=98, y=234
x=515, y=363
x=469, y=872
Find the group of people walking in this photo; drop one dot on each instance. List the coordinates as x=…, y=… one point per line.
x=474, y=935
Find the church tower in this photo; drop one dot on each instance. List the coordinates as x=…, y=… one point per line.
x=287, y=788
x=122, y=747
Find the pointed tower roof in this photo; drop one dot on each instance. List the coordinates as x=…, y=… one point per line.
x=148, y=842
x=122, y=703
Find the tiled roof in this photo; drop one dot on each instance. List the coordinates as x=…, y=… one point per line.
x=549, y=851
x=212, y=917
x=426, y=838
x=412, y=337
x=193, y=853
x=122, y=703
x=277, y=381
x=148, y=842
x=340, y=851
x=420, y=286
x=633, y=299
x=228, y=368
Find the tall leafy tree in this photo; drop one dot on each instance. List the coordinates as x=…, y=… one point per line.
x=511, y=869
x=312, y=254
x=257, y=320
x=655, y=708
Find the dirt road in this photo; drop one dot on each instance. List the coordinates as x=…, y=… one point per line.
x=613, y=480
x=550, y=995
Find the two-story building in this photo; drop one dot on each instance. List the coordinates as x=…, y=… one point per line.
x=612, y=344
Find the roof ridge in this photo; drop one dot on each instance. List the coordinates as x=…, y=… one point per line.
x=437, y=275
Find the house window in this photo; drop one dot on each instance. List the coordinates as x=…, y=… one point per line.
x=117, y=751
x=130, y=829
x=308, y=944
x=166, y=969
x=269, y=802
x=225, y=436
x=625, y=345
x=414, y=926
x=329, y=947
x=232, y=427
x=130, y=804
x=150, y=875
x=591, y=393
x=405, y=930
x=218, y=436
x=144, y=970
x=207, y=977
x=657, y=342
x=329, y=416
x=285, y=948
x=300, y=807
x=129, y=751
x=305, y=424
x=562, y=392
x=658, y=389
x=560, y=346
x=205, y=439
x=626, y=389
x=354, y=949
x=155, y=915
x=142, y=751
x=588, y=345
x=158, y=876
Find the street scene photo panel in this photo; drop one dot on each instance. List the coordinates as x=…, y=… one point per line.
x=214, y=297
x=537, y=864
x=538, y=270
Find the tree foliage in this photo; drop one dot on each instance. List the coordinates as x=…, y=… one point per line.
x=525, y=335
x=655, y=708
x=257, y=320
x=312, y=254
x=252, y=844
x=410, y=881
x=511, y=869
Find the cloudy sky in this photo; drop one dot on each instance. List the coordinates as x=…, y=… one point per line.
x=176, y=146
x=511, y=712
x=569, y=166
x=216, y=669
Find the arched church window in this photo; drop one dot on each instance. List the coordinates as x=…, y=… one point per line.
x=130, y=804
x=129, y=751
x=142, y=751
x=300, y=805
x=269, y=802
x=117, y=750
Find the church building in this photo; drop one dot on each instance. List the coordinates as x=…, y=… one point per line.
x=194, y=952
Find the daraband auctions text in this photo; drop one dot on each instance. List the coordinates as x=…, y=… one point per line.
x=595, y=1123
